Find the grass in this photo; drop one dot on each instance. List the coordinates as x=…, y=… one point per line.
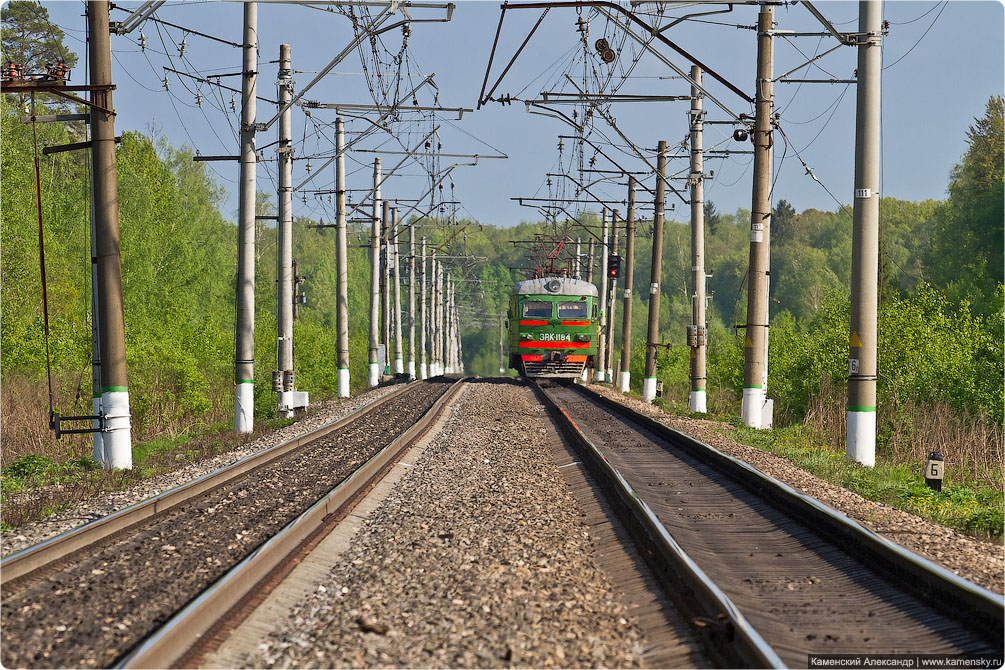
x=967, y=507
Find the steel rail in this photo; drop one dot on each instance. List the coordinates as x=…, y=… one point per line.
x=954, y=596
x=56, y=548
x=189, y=626
x=726, y=632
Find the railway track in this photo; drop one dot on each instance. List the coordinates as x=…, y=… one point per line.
x=138, y=588
x=768, y=576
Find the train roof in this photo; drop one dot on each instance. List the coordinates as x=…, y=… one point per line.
x=555, y=286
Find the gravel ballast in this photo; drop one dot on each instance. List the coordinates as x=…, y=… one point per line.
x=981, y=562
x=321, y=413
x=479, y=558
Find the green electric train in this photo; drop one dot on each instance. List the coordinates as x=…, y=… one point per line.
x=554, y=327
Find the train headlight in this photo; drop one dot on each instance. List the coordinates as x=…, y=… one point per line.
x=584, y=337
x=526, y=336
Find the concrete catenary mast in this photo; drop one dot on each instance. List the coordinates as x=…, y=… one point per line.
x=393, y=246
x=283, y=381
x=411, y=302
x=374, y=379
x=656, y=271
x=601, y=367
x=423, y=317
x=343, y=262
x=755, y=408
x=624, y=381
x=862, y=366
x=385, y=287
x=244, y=368
x=697, y=333
x=612, y=300
x=116, y=442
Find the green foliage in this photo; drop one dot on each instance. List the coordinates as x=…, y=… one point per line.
x=31, y=39
x=967, y=237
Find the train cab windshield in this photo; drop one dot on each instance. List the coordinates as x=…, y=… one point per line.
x=539, y=308
x=573, y=310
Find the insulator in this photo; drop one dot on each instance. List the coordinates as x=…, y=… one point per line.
x=182, y=47
x=305, y=198
x=308, y=167
x=198, y=100
x=233, y=104
x=143, y=41
x=167, y=83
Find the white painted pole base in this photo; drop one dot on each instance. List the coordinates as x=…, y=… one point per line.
x=698, y=401
x=399, y=366
x=751, y=407
x=502, y=370
x=283, y=407
x=649, y=389
x=599, y=376
x=450, y=369
x=343, y=382
x=862, y=438
x=610, y=375
x=244, y=407
x=625, y=381
x=374, y=374
x=422, y=371
x=586, y=375
x=97, y=444
x=411, y=369
x=117, y=440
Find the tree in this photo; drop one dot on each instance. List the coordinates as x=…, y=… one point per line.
x=966, y=252
x=31, y=39
x=712, y=216
x=783, y=220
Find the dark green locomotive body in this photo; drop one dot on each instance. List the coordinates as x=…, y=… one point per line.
x=553, y=327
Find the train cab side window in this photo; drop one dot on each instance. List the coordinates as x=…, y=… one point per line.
x=538, y=308
x=594, y=310
x=572, y=310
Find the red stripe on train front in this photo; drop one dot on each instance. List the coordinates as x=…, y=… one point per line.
x=576, y=358
x=555, y=345
x=533, y=358
x=575, y=323
x=533, y=323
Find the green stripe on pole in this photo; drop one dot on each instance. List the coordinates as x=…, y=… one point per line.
x=343, y=368
x=114, y=389
x=697, y=389
x=245, y=381
x=649, y=377
x=862, y=408
x=753, y=386
x=96, y=395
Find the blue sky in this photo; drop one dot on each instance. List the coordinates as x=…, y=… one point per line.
x=953, y=64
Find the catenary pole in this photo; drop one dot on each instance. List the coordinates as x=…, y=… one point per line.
x=97, y=442
x=117, y=436
x=283, y=381
x=589, y=266
x=755, y=410
x=624, y=381
x=502, y=344
x=698, y=332
x=612, y=300
x=423, y=319
x=656, y=271
x=434, y=315
x=375, y=277
x=385, y=286
x=411, y=302
x=448, y=326
x=578, y=264
x=244, y=377
x=601, y=367
x=862, y=363
x=399, y=358
x=342, y=261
